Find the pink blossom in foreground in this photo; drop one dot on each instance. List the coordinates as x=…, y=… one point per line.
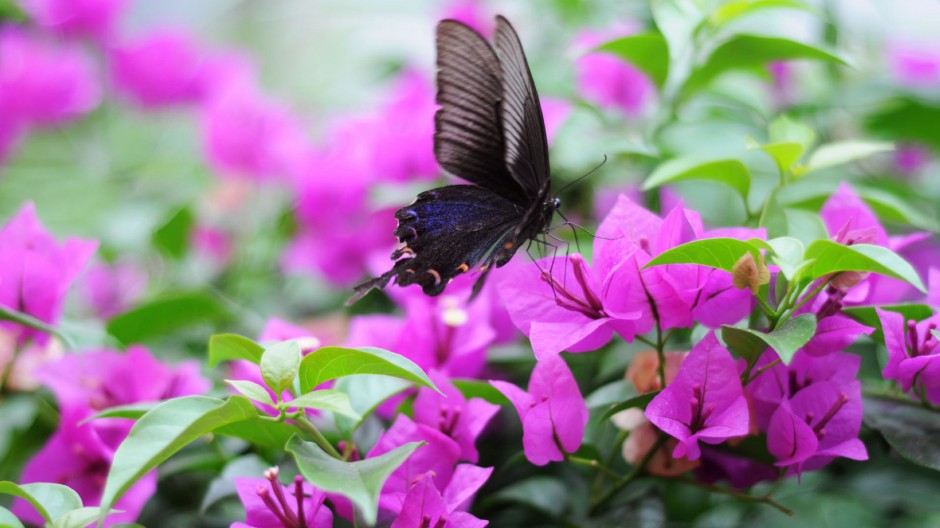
x=553, y=413
x=36, y=271
x=704, y=403
x=44, y=82
x=454, y=415
x=270, y=504
x=426, y=506
x=608, y=81
x=159, y=69
x=94, y=19
x=915, y=65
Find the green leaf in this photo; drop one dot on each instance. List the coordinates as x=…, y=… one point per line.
x=641, y=400
x=730, y=172
x=50, y=500
x=908, y=119
x=773, y=217
x=805, y=226
x=252, y=390
x=335, y=401
x=280, y=364
x=676, y=20
x=366, y=392
x=785, y=154
x=735, y=9
x=743, y=342
x=333, y=362
x=744, y=52
x=260, y=431
x=226, y=347
x=720, y=253
x=892, y=208
x=785, y=130
x=360, y=481
x=832, y=154
x=78, y=518
x=832, y=257
x=165, y=315
x=647, y=51
x=10, y=11
x=165, y=430
x=172, y=238
x=8, y=520
x=911, y=430
x=472, y=388
x=788, y=338
x=787, y=254
x=545, y=494
x=133, y=411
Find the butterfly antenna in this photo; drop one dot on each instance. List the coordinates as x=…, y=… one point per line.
x=582, y=228
x=592, y=171
x=547, y=276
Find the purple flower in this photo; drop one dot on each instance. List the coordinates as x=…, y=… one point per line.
x=452, y=414
x=35, y=271
x=471, y=13
x=741, y=472
x=915, y=65
x=607, y=81
x=424, y=506
x=403, y=133
x=834, y=333
x=705, y=402
x=555, y=112
x=817, y=424
x=910, y=158
x=913, y=354
x=159, y=69
x=553, y=413
x=779, y=383
x=270, y=504
x=10, y=133
x=42, y=82
x=112, y=288
x=93, y=19
x=79, y=456
x=247, y=135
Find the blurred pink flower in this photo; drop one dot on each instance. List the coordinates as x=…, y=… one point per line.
x=911, y=157
x=159, y=69
x=403, y=141
x=915, y=65
x=43, y=82
x=35, y=271
x=93, y=19
x=213, y=244
x=29, y=357
x=248, y=135
x=471, y=13
x=555, y=112
x=608, y=81
x=10, y=132
x=112, y=288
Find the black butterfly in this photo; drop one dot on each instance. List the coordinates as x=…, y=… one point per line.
x=489, y=131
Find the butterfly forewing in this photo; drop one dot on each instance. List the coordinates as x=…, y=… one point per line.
x=526, y=154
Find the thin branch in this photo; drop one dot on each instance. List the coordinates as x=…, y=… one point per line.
x=766, y=499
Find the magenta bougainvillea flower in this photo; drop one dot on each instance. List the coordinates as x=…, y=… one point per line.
x=159, y=69
x=452, y=414
x=36, y=271
x=403, y=142
x=913, y=354
x=80, y=453
x=910, y=158
x=79, y=456
x=704, y=403
x=608, y=81
x=916, y=66
x=58, y=84
x=112, y=288
x=270, y=504
x=94, y=19
x=426, y=506
x=817, y=424
x=553, y=413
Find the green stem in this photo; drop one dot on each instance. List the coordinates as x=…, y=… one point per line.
x=766, y=499
x=629, y=477
x=29, y=321
x=806, y=298
x=660, y=353
x=614, y=451
x=304, y=424
x=749, y=378
x=594, y=464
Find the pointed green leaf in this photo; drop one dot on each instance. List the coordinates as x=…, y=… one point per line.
x=165, y=430
x=647, y=51
x=785, y=154
x=366, y=392
x=773, y=218
x=677, y=20
x=334, y=362
x=832, y=154
x=735, y=9
x=335, y=401
x=832, y=257
x=783, y=129
x=165, y=315
x=8, y=520
x=743, y=342
x=260, y=431
x=787, y=254
x=911, y=430
x=50, y=500
x=789, y=337
x=172, y=238
x=720, y=253
x=472, y=388
x=132, y=411
x=226, y=347
x=360, y=481
x=280, y=364
x=78, y=518
x=252, y=390
x=743, y=52
x=730, y=172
